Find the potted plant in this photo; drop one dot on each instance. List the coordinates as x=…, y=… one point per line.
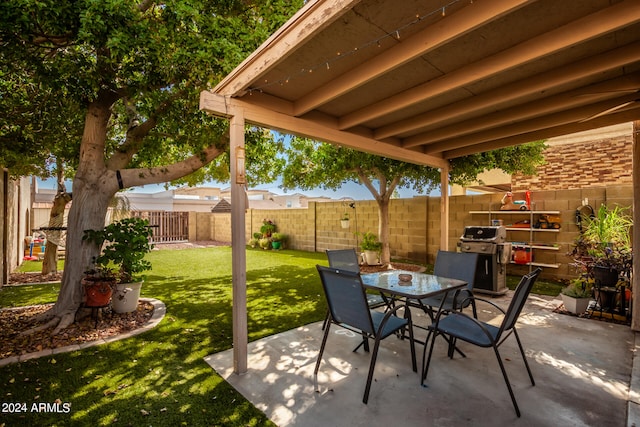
x=344, y=220
x=577, y=295
x=265, y=243
x=604, y=246
x=253, y=242
x=267, y=228
x=277, y=240
x=98, y=283
x=371, y=246
x=603, y=252
x=126, y=242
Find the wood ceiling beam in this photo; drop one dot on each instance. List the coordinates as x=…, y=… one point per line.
x=587, y=67
x=594, y=25
x=303, y=26
x=566, y=129
x=576, y=115
x=453, y=26
x=540, y=107
x=324, y=130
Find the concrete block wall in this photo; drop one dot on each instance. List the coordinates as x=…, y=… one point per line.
x=329, y=232
x=203, y=226
x=297, y=224
x=408, y=228
x=415, y=224
x=221, y=227
x=564, y=201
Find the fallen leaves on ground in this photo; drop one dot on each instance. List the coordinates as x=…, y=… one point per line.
x=16, y=278
x=13, y=321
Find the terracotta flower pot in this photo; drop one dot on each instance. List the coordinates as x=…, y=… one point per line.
x=97, y=293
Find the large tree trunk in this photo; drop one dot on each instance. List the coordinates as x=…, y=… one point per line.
x=93, y=187
x=383, y=198
x=97, y=180
x=383, y=229
x=50, y=264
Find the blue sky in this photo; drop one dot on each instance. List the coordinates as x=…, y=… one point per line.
x=351, y=189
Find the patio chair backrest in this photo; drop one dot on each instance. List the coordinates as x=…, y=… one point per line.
x=457, y=265
x=343, y=259
x=519, y=298
x=346, y=298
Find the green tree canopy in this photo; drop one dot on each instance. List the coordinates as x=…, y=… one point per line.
x=112, y=87
x=313, y=164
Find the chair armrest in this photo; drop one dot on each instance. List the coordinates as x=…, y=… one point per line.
x=464, y=302
x=493, y=304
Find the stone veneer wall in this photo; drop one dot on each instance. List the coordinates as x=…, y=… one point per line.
x=582, y=165
x=415, y=224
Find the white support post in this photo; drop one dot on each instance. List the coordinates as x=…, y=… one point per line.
x=238, y=248
x=444, y=208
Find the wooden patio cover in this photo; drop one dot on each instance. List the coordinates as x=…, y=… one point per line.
x=426, y=81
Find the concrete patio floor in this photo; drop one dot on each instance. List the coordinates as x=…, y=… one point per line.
x=583, y=368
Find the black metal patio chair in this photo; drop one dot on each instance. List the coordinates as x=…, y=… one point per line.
x=454, y=265
x=457, y=325
x=347, y=259
x=348, y=309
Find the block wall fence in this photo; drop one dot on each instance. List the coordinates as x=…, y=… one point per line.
x=415, y=224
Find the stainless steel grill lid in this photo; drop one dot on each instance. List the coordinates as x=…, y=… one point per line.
x=495, y=234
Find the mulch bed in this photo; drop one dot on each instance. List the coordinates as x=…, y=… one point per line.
x=27, y=278
x=15, y=320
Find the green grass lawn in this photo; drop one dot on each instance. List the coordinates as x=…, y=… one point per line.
x=159, y=378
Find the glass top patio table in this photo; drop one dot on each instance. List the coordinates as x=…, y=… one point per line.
x=422, y=285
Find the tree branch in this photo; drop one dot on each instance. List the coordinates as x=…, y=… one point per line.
x=394, y=183
x=367, y=183
x=145, y=4
x=160, y=174
x=138, y=131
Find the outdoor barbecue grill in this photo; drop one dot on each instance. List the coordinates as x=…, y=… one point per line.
x=494, y=255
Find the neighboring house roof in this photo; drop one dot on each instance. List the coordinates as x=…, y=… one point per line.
x=223, y=206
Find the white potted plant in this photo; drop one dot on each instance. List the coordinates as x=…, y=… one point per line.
x=371, y=246
x=577, y=296
x=344, y=220
x=126, y=242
